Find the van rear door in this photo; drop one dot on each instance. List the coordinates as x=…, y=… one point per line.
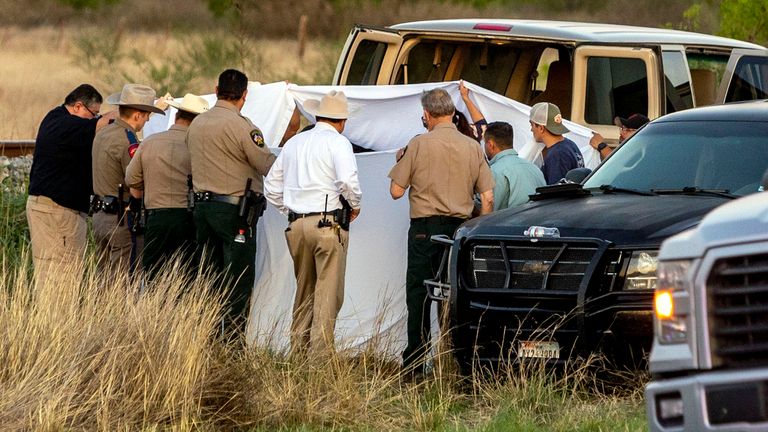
x=368, y=57
x=746, y=76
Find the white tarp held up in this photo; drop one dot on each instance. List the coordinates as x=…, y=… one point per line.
x=382, y=118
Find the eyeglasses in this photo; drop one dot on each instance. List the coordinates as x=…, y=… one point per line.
x=94, y=114
x=624, y=128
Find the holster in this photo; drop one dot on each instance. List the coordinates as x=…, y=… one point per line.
x=344, y=215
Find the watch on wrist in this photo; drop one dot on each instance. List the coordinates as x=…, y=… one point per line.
x=601, y=146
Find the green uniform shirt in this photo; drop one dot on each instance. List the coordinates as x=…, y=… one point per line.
x=515, y=178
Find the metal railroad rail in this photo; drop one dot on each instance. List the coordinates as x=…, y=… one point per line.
x=15, y=148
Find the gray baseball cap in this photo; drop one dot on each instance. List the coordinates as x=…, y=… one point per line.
x=548, y=115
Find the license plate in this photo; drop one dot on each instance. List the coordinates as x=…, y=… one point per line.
x=538, y=349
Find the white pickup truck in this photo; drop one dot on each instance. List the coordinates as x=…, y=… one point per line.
x=709, y=361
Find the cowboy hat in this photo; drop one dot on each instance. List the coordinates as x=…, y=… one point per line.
x=333, y=106
x=191, y=103
x=136, y=96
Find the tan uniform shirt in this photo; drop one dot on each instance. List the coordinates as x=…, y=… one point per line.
x=226, y=149
x=443, y=168
x=110, y=158
x=160, y=168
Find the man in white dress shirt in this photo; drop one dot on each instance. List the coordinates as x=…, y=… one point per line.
x=310, y=180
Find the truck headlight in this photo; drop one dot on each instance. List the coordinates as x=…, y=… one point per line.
x=671, y=302
x=641, y=272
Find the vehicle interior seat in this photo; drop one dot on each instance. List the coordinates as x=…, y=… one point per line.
x=558, y=90
x=703, y=86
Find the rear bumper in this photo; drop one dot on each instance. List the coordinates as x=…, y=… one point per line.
x=711, y=401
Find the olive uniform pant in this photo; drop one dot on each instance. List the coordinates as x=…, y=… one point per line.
x=319, y=263
x=58, y=240
x=170, y=233
x=217, y=225
x=423, y=262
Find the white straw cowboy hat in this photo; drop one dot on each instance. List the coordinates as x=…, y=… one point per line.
x=191, y=103
x=333, y=106
x=136, y=96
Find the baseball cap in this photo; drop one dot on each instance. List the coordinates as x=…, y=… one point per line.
x=548, y=115
x=635, y=121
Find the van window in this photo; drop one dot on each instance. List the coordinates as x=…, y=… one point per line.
x=750, y=80
x=427, y=62
x=677, y=86
x=706, y=73
x=615, y=87
x=489, y=66
x=365, y=66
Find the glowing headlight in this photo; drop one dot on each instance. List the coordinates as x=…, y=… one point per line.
x=641, y=273
x=672, y=302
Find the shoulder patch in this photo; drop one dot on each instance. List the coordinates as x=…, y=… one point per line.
x=257, y=137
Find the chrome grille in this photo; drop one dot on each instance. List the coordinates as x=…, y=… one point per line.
x=738, y=310
x=525, y=265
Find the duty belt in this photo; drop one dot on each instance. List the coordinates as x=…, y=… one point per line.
x=108, y=204
x=294, y=216
x=212, y=197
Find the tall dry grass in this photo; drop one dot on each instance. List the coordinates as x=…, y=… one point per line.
x=91, y=352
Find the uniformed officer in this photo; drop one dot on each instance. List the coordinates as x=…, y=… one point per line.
x=160, y=172
x=443, y=169
x=226, y=149
x=113, y=148
x=313, y=174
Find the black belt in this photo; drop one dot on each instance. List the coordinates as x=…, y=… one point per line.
x=212, y=197
x=150, y=212
x=293, y=216
x=439, y=220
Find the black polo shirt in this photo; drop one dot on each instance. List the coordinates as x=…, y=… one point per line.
x=61, y=168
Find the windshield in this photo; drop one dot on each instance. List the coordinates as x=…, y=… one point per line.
x=718, y=155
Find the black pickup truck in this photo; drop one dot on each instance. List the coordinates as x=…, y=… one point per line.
x=517, y=293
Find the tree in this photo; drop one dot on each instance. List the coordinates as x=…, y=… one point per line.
x=745, y=19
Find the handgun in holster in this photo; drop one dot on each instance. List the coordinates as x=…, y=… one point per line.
x=344, y=214
x=250, y=208
x=190, y=194
x=138, y=215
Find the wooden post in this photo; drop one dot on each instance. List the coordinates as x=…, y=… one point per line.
x=302, y=36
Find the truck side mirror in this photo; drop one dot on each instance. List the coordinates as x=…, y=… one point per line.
x=577, y=175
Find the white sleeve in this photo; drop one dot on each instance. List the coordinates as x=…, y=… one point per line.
x=273, y=185
x=346, y=173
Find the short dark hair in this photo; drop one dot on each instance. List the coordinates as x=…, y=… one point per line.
x=127, y=111
x=232, y=85
x=501, y=133
x=84, y=93
x=185, y=115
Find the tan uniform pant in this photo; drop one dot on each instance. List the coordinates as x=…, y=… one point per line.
x=113, y=241
x=59, y=238
x=319, y=262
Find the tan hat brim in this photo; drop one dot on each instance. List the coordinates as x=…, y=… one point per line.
x=312, y=106
x=114, y=99
x=181, y=107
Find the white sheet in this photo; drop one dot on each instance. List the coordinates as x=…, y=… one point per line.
x=382, y=118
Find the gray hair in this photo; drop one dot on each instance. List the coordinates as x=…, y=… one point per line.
x=437, y=102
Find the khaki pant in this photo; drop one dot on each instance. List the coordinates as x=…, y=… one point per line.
x=319, y=262
x=113, y=241
x=59, y=238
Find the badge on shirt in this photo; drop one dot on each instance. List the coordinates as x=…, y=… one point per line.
x=257, y=137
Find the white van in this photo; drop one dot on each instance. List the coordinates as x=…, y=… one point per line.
x=593, y=72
